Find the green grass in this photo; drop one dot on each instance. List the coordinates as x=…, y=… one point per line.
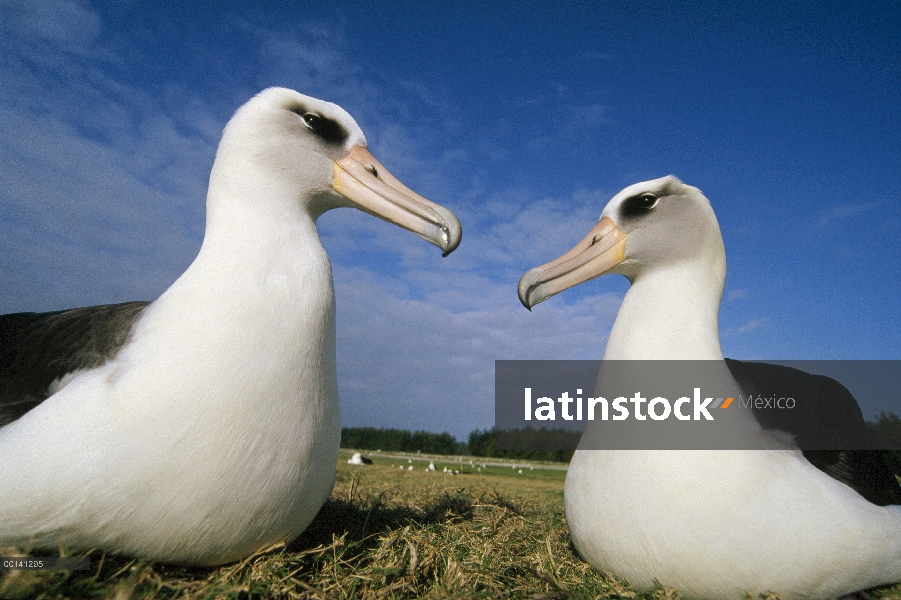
x=386, y=533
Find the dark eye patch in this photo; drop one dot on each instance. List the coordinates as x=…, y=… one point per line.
x=328, y=129
x=638, y=205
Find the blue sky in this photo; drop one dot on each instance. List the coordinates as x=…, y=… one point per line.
x=523, y=118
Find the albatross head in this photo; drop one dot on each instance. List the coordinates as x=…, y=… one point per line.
x=648, y=226
x=282, y=147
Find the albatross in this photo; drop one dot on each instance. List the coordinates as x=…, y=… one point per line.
x=203, y=426
x=716, y=524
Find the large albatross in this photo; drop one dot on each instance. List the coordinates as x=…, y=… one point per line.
x=204, y=426
x=711, y=523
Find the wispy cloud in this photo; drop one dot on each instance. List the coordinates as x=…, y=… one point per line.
x=571, y=124
x=843, y=211
x=424, y=363
x=64, y=22
x=589, y=117
x=103, y=197
x=443, y=322
x=747, y=327
x=93, y=220
x=102, y=190
x=103, y=201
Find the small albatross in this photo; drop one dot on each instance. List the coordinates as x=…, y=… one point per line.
x=204, y=426
x=716, y=524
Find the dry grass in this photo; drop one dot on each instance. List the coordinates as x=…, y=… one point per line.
x=385, y=533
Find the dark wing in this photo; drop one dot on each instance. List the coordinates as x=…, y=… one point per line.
x=834, y=417
x=37, y=349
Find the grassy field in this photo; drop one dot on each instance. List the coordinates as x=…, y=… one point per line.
x=387, y=532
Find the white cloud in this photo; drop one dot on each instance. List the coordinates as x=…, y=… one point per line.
x=430, y=364
x=843, y=211
x=102, y=200
x=59, y=21
x=86, y=222
x=417, y=345
x=747, y=327
x=587, y=117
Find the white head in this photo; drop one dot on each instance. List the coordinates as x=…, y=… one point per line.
x=647, y=227
x=290, y=151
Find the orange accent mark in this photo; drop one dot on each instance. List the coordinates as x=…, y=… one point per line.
x=727, y=402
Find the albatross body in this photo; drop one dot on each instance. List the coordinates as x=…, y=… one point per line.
x=711, y=523
x=203, y=426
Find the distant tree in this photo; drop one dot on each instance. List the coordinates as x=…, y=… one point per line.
x=887, y=429
x=394, y=440
x=529, y=444
x=481, y=443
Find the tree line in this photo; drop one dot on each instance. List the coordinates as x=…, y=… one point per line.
x=541, y=444
x=400, y=440
x=529, y=444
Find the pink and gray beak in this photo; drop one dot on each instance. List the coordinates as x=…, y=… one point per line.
x=360, y=178
x=602, y=249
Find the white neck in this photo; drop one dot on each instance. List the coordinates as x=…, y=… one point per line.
x=670, y=313
x=257, y=303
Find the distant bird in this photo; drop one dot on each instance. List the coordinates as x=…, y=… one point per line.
x=712, y=524
x=204, y=426
x=359, y=459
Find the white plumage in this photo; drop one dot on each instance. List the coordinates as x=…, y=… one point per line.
x=213, y=431
x=712, y=524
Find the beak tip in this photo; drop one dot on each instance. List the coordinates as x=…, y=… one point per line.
x=524, y=299
x=454, y=233
x=448, y=235
x=526, y=287
x=448, y=248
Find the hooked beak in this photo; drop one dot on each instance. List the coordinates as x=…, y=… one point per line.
x=363, y=180
x=602, y=249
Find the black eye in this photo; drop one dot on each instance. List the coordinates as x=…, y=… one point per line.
x=313, y=121
x=327, y=129
x=639, y=205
